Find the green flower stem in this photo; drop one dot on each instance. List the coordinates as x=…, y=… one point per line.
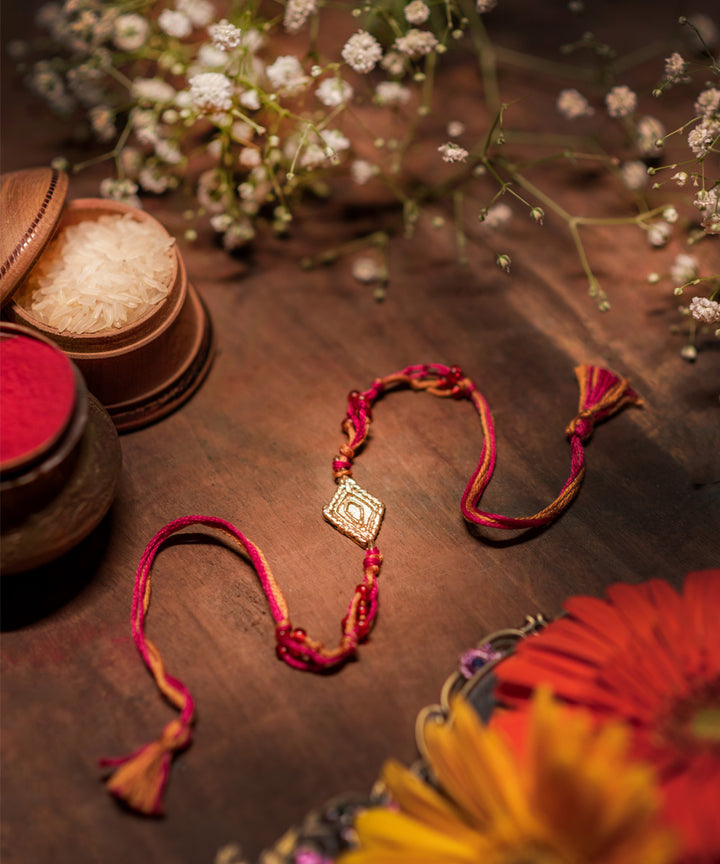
x=379, y=239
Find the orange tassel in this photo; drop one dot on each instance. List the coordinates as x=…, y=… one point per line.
x=602, y=394
x=140, y=779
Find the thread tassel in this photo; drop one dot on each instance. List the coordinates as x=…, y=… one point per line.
x=602, y=394
x=141, y=777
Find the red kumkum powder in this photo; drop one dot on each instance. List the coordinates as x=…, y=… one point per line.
x=37, y=397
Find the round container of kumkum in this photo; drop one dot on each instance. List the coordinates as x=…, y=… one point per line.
x=59, y=452
x=140, y=367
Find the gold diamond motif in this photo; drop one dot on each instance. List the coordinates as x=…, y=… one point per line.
x=355, y=512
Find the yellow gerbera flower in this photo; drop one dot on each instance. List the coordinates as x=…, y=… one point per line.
x=568, y=795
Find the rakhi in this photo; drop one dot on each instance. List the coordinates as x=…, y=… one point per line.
x=139, y=779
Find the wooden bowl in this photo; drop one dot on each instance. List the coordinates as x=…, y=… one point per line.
x=144, y=370
x=55, y=491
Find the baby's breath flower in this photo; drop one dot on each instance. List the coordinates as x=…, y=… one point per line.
x=237, y=235
x=688, y=352
x=683, y=269
x=362, y=171
x=102, y=120
x=708, y=203
x=250, y=99
x=152, y=180
x=200, y=12
x=680, y=178
x=416, y=12
x=120, y=190
x=175, y=23
x=296, y=14
x=392, y=93
x=452, y=152
x=367, y=270
x=572, y=104
x=225, y=35
x=485, y=5
x=416, y=43
x=335, y=142
x=361, y=52
x=334, y=91
x=675, y=67
x=658, y=234
x=538, y=215
x=455, y=128
x=152, y=90
x=393, y=63
x=705, y=310
x=168, y=151
x=130, y=32
x=708, y=103
x=498, y=215
x=211, y=91
x=131, y=160
x=702, y=137
x=621, y=101
x=649, y=134
x=670, y=215
x=634, y=174
x=145, y=125
x=286, y=73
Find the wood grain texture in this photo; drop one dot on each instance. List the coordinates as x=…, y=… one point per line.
x=254, y=446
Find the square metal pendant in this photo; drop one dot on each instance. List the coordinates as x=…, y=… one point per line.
x=355, y=512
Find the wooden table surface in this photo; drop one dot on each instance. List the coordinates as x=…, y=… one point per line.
x=254, y=446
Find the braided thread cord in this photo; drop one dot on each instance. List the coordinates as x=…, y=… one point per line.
x=140, y=778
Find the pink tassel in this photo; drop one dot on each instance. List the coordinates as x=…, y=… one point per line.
x=602, y=394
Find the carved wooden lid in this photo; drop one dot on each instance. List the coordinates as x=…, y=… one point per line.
x=31, y=202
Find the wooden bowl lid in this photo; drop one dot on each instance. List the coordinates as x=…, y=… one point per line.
x=31, y=202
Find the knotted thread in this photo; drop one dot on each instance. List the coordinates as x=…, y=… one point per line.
x=139, y=779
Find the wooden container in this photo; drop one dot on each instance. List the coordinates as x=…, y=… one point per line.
x=140, y=372
x=59, y=455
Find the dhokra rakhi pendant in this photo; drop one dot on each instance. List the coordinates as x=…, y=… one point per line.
x=355, y=512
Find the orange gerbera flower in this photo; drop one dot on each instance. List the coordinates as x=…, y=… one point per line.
x=650, y=656
x=570, y=797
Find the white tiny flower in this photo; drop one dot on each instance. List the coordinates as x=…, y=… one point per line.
x=250, y=157
x=174, y=23
x=634, y=174
x=416, y=12
x=705, y=310
x=241, y=132
x=621, y=101
x=335, y=142
x=452, y=152
x=675, y=68
x=145, y=126
x=131, y=160
x=220, y=222
x=225, y=35
x=707, y=202
x=498, y=215
x=120, y=190
x=572, y=104
x=367, y=270
x=680, y=178
x=708, y=103
x=200, y=12
x=392, y=93
x=237, y=235
x=688, y=352
x=209, y=58
x=504, y=262
x=702, y=138
x=153, y=90
x=649, y=134
x=153, y=181
x=416, y=43
x=211, y=91
x=286, y=73
x=658, y=234
x=296, y=14
x=102, y=120
x=250, y=100
x=455, y=128
x=362, y=51
x=334, y=91
x=130, y=32
x=362, y=171
x=670, y=215
x=683, y=269
x=485, y=5
x=393, y=63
